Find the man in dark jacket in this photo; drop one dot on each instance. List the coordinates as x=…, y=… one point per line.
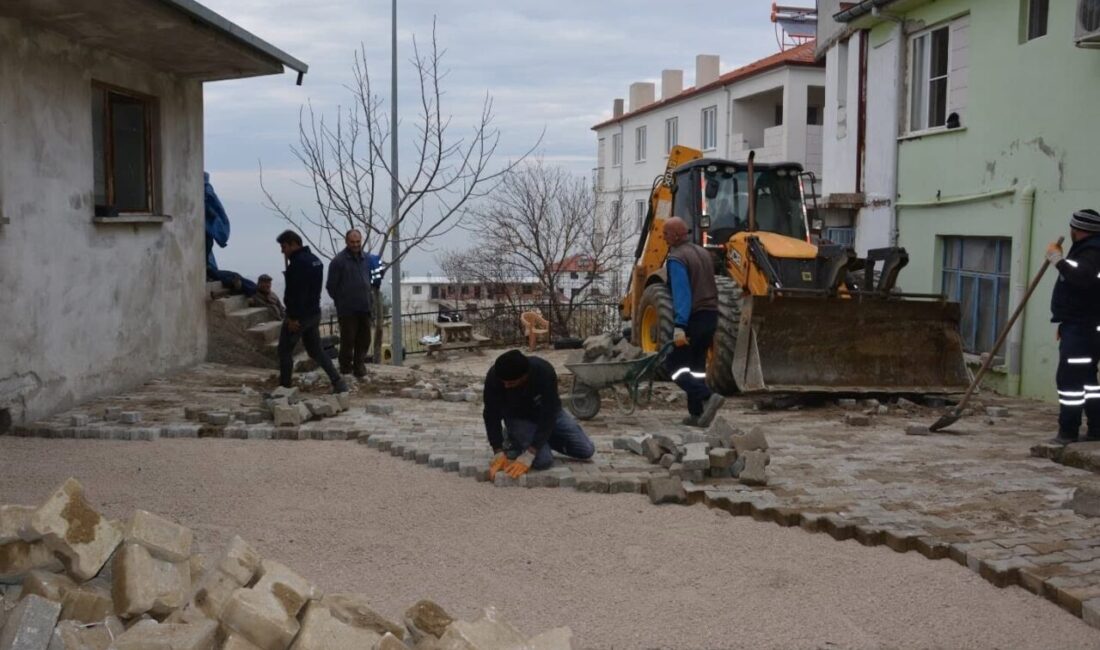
x=351, y=274
x=522, y=392
x=1075, y=306
x=695, y=317
x=302, y=296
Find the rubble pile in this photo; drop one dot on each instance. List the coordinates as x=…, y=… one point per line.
x=71, y=579
x=722, y=451
x=605, y=348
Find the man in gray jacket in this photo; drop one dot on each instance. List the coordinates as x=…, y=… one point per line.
x=350, y=276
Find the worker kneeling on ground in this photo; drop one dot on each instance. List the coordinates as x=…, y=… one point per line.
x=1075, y=306
x=695, y=315
x=522, y=392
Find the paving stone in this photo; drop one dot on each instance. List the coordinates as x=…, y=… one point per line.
x=78, y=420
x=625, y=484
x=652, y=449
x=592, y=483
x=914, y=429
x=304, y=412
x=857, y=420
x=238, y=642
x=129, y=417
x=666, y=490
x=754, y=440
x=217, y=418
x=1090, y=612
x=321, y=630
x=192, y=412
x=90, y=602
x=30, y=625
x=112, y=413
x=287, y=416
x=164, y=539
x=695, y=456
x=290, y=394
x=722, y=458
x=19, y=558
x=167, y=636
x=996, y=411
x=1085, y=501
x=482, y=633
x=723, y=431
x=260, y=433
x=145, y=584
x=13, y=519
x=69, y=526
x=320, y=408
x=73, y=635
x=50, y=586
x=667, y=461
x=670, y=442
x=754, y=471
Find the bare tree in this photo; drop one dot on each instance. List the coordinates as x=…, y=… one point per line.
x=541, y=223
x=349, y=173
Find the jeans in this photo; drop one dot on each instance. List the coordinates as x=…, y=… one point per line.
x=1078, y=390
x=310, y=335
x=354, y=343
x=687, y=365
x=567, y=438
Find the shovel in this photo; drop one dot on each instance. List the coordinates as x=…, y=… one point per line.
x=954, y=414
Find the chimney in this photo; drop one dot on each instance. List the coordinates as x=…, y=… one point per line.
x=706, y=69
x=641, y=94
x=672, y=83
x=617, y=108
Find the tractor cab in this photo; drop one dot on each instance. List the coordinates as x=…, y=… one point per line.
x=713, y=197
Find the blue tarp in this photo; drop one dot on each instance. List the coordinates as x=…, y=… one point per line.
x=217, y=222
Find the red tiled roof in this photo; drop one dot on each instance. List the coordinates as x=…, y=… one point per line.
x=802, y=55
x=575, y=264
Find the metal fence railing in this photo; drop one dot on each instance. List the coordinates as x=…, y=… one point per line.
x=501, y=322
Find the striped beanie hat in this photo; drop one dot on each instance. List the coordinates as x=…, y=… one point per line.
x=1087, y=220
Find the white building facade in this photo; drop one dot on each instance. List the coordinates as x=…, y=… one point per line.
x=773, y=106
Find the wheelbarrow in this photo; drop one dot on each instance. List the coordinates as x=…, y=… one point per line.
x=590, y=378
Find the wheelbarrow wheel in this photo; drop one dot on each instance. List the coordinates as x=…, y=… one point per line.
x=584, y=402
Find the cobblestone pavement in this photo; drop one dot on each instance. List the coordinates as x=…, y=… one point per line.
x=976, y=495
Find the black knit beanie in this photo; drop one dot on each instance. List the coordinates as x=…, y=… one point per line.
x=511, y=365
x=1087, y=220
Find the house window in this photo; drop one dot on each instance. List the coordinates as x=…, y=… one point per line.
x=813, y=115
x=976, y=275
x=710, y=128
x=616, y=149
x=778, y=117
x=841, y=236
x=417, y=289
x=435, y=292
x=122, y=145
x=616, y=215
x=639, y=211
x=1035, y=17
x=929, y=80
x=672, y=133
x=477, y=292
x=639, y=144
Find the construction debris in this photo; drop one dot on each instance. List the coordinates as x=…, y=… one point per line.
x=605, y=348
x=722, y=451
x=84, y=582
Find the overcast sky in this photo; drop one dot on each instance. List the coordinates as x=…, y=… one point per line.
x=548, y=65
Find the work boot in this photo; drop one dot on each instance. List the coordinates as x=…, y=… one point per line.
x=1062, y=439
x=340, y=387
x=710, y=409
x=690, y=421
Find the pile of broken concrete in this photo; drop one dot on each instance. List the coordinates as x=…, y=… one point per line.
x=607, y=348
x=70, y=579
x=722, y=451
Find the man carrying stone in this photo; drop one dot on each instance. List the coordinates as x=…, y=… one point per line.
x=1075, y=307
x=522, y=392
x=265, y=297
x=350, y=277
x=695, y=316
x=304, y=277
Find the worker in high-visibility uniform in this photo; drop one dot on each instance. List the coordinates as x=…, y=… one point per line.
x=1075, y=307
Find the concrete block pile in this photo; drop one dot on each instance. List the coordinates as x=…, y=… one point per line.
x=71, y=579
x=723, y=451
x=604, y=348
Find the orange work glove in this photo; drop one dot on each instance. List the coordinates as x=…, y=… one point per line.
x=679, y=337
x=500, y=461
x=521, y=465
x=1054, y=252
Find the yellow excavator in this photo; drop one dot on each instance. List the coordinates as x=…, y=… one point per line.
x=795, y=316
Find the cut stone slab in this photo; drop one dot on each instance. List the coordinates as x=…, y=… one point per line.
x=722, y=458
x=303, y=411
x=754, y=472
x=486, y=632
x=261, y=618
x=88, y=603
x=30, y=625
x=73, y=635
x=17, y=559
x=666, y=490
x=13, y=519
x=169, y=636
x=342, y=622
x=754, y=440
x=857, y=420
x=427, y=619
x=652, y=450
x=696, y=456
x=723, y=430
x=320, y=408
x=239, y=561
x=286, y=416
x=143, y=583
x=164, y=539
x=69, y=526
x=50, y=586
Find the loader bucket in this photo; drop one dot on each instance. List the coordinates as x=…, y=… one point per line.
x=838, y=345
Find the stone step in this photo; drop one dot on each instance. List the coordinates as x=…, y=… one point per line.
x=229, y=304
x=265, y=332
x=250, y=316
x=215, y=290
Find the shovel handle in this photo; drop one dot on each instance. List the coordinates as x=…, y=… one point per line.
x=1004, y=333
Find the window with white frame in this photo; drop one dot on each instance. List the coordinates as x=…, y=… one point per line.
x=930, y=63
x=418, y=289
x=616, y=215
x=710, y=128
x=672, y=133
x=976, y=274
x=616, y=149
x=639, y=144
x=639, y=209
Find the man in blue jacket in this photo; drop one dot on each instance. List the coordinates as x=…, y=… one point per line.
x=1075, y=306
x=351, y=277
x=695, y=316
x=302, y=297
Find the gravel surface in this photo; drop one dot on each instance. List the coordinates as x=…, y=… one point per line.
x=620, y=572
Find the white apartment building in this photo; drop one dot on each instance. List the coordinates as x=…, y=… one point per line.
x=774, y=106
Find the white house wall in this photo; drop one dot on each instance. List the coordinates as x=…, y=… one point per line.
x=874, y=223
x=840, y=147
x=89, y=308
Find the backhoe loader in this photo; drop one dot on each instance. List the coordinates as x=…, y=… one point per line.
x=794, y=316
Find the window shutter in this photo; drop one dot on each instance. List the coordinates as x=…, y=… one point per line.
x=958, y=77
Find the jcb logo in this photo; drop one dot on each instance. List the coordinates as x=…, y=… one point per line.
x=807, y=276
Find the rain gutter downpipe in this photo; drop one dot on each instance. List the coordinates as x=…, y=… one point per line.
x=1021, y=274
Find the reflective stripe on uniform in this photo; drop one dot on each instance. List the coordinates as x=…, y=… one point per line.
x=1071, y=393
x=698, y=375
x=1079, y=360
x=1071, y=263
x=1071, y=402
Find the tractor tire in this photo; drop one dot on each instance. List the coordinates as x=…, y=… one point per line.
x=720, y=362
x=654, y=323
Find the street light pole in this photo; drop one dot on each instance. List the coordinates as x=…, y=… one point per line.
x=397, y=348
